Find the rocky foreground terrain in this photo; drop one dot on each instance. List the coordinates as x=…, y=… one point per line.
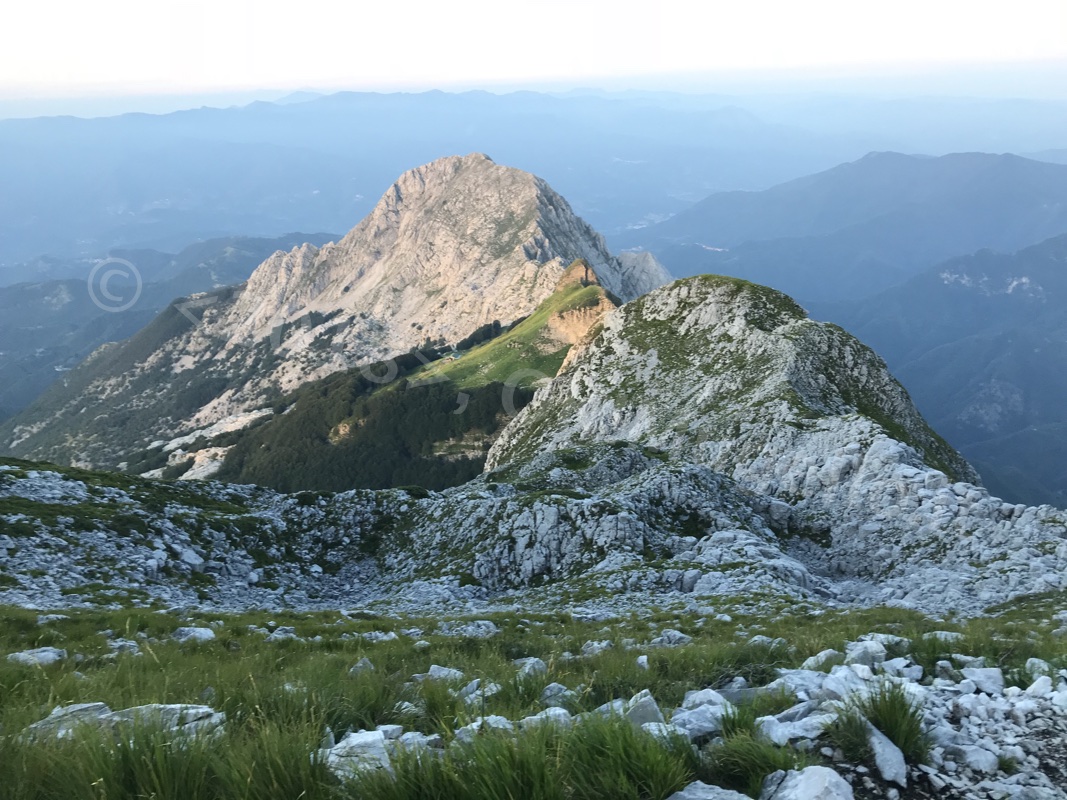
x=795, y=706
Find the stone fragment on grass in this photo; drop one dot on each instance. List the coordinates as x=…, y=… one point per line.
x=643, y=709
x=490, y=723
x=550, y=716
x=702, y=721
x=184, y=635
x=556, y=694
x=943, y=636
x=595, y=648
x=363, y=665
x=703, y=791
x=38, y=657
x=358, y=752
x=439, y=673
x=530, y=667
x=669, y=637
x=64, y=721
x=663, y=731
x=284, y=634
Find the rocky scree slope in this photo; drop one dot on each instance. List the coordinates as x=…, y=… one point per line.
x=451, y=246
x=613, y=527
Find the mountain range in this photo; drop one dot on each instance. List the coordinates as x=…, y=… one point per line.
x=52, y=323
x=458, y=246
x=864, y=226
x=979, y=342
x=705, y=443
x=162, y=181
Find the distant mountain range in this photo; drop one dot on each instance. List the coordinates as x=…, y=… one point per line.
x=83, y=186
x=980, y=341
x=864, y=226
x=873, y=245
x=50, y=324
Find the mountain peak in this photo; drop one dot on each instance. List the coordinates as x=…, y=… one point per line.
x=486, y=242
x=452, y=246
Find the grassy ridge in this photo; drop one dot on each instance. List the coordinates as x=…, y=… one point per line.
x=522, y=349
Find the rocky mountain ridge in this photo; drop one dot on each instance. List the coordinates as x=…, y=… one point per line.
x=452, y=246
x=708, y=442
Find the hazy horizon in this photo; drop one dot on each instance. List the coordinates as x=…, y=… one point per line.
x=120, y=56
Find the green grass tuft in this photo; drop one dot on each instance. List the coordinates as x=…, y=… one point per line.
x=743, y=761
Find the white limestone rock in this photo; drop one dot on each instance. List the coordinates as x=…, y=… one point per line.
x=887, y=757
x=38, y=657
x=810, y=783
x=357, y=752
x=187, y=634
x=703, y=791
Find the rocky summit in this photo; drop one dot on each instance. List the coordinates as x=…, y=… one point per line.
x=452, y=246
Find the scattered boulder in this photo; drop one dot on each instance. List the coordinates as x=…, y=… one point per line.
x=988, y=679
x=670, y=638
x=868, y=653
x=703, y=791
x=483, y=724
x=357, y=752
x=550, y=716
x=946, y=637
x=642, y=709
x=363, y=665
x=284, y=634
x=595, y=648
x=810, y=783
x=439, y=673
x=39, y=657
x=531, y=667
x=887, y=757
x=184, y=635
x=703, y=697
x=64, y=721
x=556, y=694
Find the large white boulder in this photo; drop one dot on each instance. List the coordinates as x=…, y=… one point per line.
x=39, y=657
x=357, y=752
x=810, y=783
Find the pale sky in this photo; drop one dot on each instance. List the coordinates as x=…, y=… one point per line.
x=72, y=47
